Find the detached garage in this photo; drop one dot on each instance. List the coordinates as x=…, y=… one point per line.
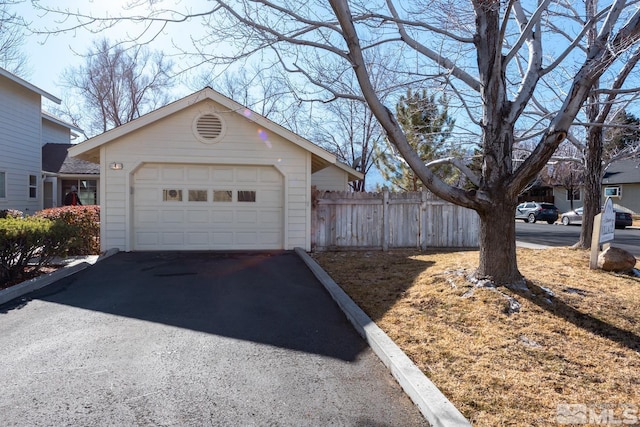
x=205, y=173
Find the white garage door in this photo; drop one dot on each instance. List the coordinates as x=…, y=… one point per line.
x=200, y=207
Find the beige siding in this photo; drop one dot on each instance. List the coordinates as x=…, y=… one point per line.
x=561, y=202
x=331, y=178
x=20, y=128
x=171, y=140
x=630, y=197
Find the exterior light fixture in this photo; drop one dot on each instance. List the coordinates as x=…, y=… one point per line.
x=115, y=166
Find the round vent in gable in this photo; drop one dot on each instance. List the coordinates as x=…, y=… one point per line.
x=209, y=128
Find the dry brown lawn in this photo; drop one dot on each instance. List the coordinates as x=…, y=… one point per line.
x=581, y=345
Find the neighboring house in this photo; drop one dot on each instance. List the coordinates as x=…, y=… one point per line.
x=621, y=182
x=62, y=171
x=24, y=129
x=206, y=173
x=563, y=198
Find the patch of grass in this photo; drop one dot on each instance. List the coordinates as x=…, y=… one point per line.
x=581, y=345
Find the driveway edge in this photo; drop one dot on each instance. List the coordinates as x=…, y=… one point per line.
x=434, y=405
x=39, y=282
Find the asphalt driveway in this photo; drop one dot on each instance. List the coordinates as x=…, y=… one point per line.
x=191, y=339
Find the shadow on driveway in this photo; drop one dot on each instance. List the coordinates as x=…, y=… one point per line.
x=265, y=298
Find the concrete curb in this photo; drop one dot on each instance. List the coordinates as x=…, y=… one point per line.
x=435, y=407
x=520, y=244
x=39, y=282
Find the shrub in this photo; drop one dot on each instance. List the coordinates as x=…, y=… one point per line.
x=86, y=222
x=11, y=213
x=30, y=241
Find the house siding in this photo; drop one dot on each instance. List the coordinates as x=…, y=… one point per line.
x=561, y=202
x=53, y=133
x=630, y=197
x=20, y=133
x=171, y=140
x=331, y=178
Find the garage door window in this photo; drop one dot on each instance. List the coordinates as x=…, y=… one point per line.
x=222, y=195
x=197, y=195
x=246, y=196
x=171, y=195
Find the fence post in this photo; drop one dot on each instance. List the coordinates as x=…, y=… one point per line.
x=385, y=219
x=423, y=220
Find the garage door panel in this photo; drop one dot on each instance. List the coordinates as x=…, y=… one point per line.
x=222, y=238
x=171, y=239
x=270, y=218
x=246, y=238
x=270, y=175
x=247, y=217
x=269, y=239
x=198, y=173
x=147, y=238
x=172, y=216
x=221, y=175
x=202, y=221
x=173, y=173
x=147, y=216
x=270, y=197
x=146, y=194
x=222, y=217
x=198, y=217
x=246, y=175
x=199, y=239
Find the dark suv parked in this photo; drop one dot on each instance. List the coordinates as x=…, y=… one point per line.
x=534, y=211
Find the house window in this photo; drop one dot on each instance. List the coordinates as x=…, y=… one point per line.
x=33, y=186
x=3, y=185
x=612, y=192
x=573, y=194
x=87, y=189
x=246, y=196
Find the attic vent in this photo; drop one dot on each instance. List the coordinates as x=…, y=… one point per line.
x=209, y=128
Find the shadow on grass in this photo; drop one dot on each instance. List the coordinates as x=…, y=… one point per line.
x=582, y=320
x=376, y=286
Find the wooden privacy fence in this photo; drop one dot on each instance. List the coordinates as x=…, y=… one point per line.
x=344, y=220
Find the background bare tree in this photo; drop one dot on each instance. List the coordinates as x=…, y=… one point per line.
x=490, y=55
x=607, y=98
x=116, y=85
x=12, y=38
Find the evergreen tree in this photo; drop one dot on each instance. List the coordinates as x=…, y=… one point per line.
x=427, y=128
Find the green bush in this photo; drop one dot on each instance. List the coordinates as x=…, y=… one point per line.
x=85, y=220
x=30, y=241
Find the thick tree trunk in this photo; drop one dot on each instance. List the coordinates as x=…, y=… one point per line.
x=592, y=199
x=498, y=244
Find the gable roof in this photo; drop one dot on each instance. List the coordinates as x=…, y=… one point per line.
x=623, y=172
x=90, y=149
x=28, y=85
x=56, y=159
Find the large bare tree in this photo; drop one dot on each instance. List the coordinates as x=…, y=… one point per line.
x=475, y=49
x=116, y=85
